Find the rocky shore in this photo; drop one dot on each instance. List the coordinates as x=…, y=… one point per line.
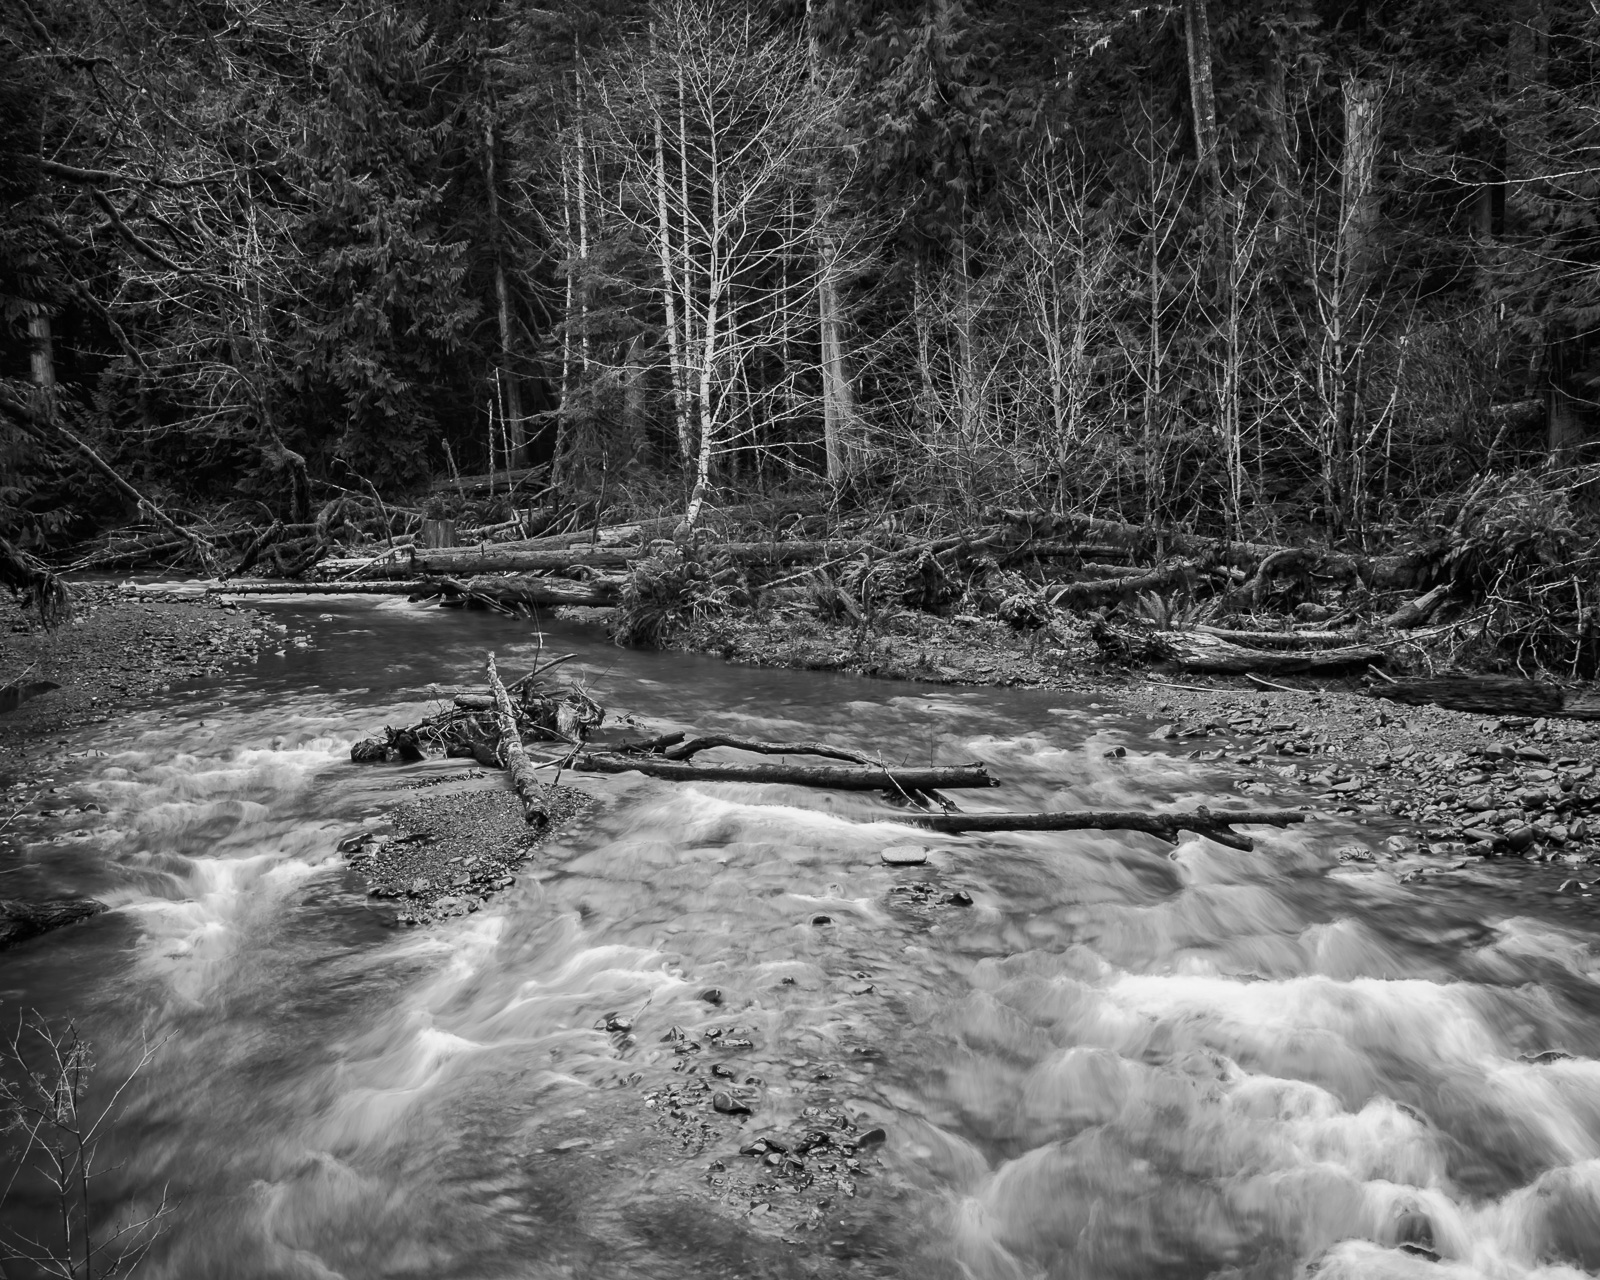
x=446, y=855
x=1450, y=784
x=121, y=645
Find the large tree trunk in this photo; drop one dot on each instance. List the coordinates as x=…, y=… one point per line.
x=516, y=423
x=1358, y=226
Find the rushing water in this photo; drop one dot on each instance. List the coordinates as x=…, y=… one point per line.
x=1120, y=1061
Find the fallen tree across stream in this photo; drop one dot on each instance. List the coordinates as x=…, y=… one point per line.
x=835, y=777
x=1214, y=824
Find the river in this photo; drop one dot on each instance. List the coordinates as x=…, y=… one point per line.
x=1119, y=1061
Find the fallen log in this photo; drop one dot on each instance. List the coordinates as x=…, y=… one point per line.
x=1383, y=572
x=498, y=481
x=804, y=775
x=528, y=588
x=1487, y=695
x=506, y=557
x=1287, y=639
x=20, y=921
x=1199, y=652
x=1103, y=590
x=687, y=750
x=419, y=586
x=1415, y=612
x=1215, y=824
x=524, y=781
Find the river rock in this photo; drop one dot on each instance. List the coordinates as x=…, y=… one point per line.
x=905, y=855
x=728, y=1104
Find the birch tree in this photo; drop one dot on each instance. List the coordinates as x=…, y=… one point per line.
x=707, y=139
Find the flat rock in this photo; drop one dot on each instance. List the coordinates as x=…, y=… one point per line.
x=905, y=855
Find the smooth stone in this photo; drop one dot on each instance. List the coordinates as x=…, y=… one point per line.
x=905, y=855
x=728, y=1104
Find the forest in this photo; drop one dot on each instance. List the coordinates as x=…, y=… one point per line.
x=1266, y=273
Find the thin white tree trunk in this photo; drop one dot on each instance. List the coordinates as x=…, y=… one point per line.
x=669, y=298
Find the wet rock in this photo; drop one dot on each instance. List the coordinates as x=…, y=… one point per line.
x=1117, y=753
x=905, y=855
x=960, y=898
x=1544, y=1056
x=712, y=995
x=728, y=1105
x=1520, y=838
x=819, y=921
x=872, y=1137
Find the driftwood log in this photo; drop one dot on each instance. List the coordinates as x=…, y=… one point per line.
x=1199, y=652
x=527, y=588
x=20, y=921
x=1383, y=572
x=1490, y=695
x=1205, y=651
x=1215, y=824
x=418, y=586
x=524, y=780
x=837, y=777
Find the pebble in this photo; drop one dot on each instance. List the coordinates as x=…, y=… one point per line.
x=905, y=855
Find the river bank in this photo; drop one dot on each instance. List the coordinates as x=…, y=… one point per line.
x=120, y=645
x=1456, y=784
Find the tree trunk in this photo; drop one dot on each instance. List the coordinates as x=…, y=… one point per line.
x=1280, y=154
x=837, y=777
x=1358, y=225
x=838, y=402
x=516, y=424
x=1216, y=824
x=524, y=780
x=669, y=296
x=1358, y=193
x=20, y=921
x=41, y=353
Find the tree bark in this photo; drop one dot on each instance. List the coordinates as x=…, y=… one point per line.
x=20, y=921
x=805, y=775
x=524, y=780
x=516, y=423
x=41, y=352
x=529, y=589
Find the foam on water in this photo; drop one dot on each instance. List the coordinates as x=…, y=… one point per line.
x=1125, y=1060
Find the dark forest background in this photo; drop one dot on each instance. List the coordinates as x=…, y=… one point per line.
x=1264, y=269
